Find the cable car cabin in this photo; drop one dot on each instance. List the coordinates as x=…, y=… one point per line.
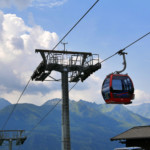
x=118, y=89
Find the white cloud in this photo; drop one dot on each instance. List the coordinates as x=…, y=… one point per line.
x=11, y=43
x=57, y=3
x=11, y=96
x=48, y=3
x=20, y=4
x=18, y=40
x=141, y=97
x=4, y=3
x=37, y=99
x=91, y=91
x=17, y=51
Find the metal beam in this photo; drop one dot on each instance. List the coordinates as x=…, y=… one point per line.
x=10, y=144
x=62, y=52
x=12, y=135
x=65, y=112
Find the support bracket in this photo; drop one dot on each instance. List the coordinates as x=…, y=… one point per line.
x=124, y=61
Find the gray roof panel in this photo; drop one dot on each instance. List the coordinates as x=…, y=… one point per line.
x=134, y=133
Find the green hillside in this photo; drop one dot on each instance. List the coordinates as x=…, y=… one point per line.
x=92, y=125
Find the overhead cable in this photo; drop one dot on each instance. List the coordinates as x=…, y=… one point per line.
x=125, y=47
x=78, y=81
x=44, y=117
x=75, y=24
x=29, y=133
x=137, y=40
x=15, y=105
x=54, y=49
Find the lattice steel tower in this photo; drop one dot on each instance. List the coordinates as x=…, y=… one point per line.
x=73, y=66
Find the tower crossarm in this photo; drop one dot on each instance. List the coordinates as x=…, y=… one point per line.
x=79, y=64
x=13, y=135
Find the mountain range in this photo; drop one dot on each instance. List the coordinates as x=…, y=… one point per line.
x=143, y=109
x=4, y=103
x=92, y=125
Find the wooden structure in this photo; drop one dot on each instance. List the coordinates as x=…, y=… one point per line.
x=136, y=136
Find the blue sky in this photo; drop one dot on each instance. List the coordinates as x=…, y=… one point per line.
x=109, y=27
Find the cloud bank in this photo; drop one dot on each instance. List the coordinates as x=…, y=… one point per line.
x=141, y=97
x=17, y=52
x=22, y=4
x=18, y=61
x=48, y=3
x=91, y=91
x=18, y=40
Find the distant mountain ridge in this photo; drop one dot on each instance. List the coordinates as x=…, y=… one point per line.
x=51, y=102
x=142, y=109
x=4, y=103
x=92, y=125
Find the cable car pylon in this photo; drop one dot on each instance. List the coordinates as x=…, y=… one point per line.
x=74, y=67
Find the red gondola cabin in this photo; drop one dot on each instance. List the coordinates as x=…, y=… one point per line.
x=118, y=89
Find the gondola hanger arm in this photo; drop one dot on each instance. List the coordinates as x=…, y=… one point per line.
x=124, y=61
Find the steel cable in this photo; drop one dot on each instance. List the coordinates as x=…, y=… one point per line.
x=15, y=105
x=125, y=47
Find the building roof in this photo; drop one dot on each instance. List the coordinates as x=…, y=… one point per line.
x=140, y=132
